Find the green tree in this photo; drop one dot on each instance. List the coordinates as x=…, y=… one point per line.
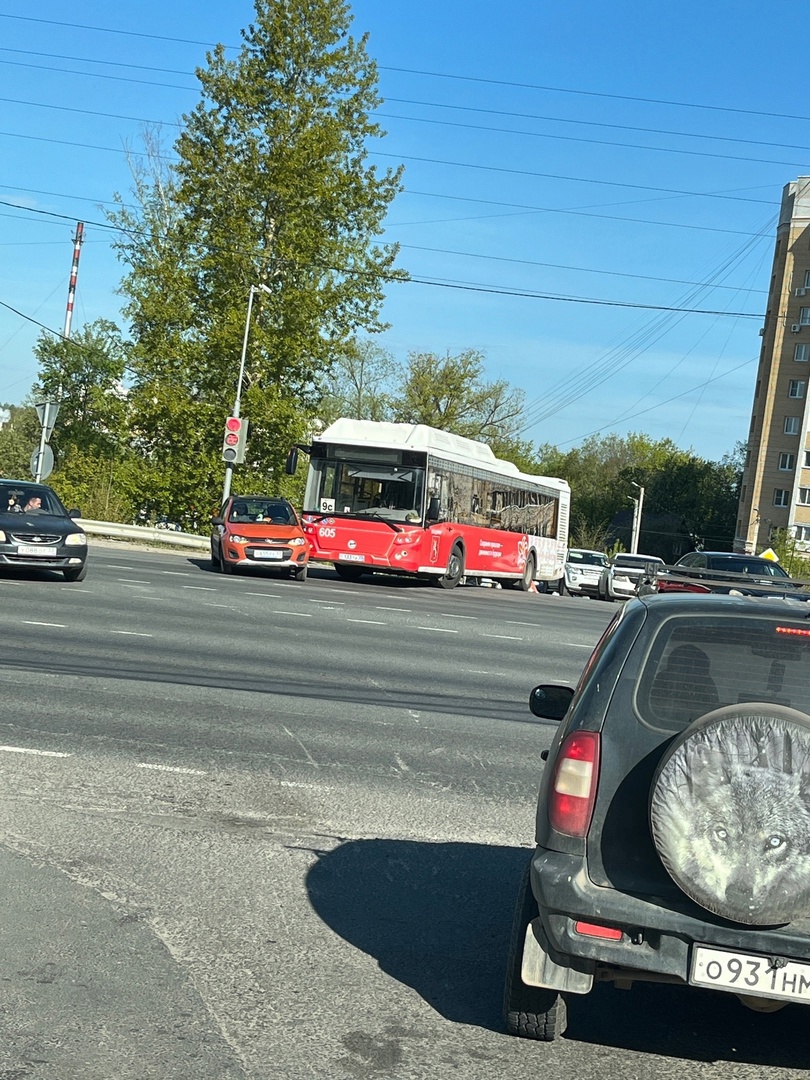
x=450, y=392
x=361, y=383
x=19, y=438
x=271, y=188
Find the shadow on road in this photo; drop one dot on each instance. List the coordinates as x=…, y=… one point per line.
x=436, y=917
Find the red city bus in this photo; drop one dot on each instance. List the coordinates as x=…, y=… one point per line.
x=410, y=499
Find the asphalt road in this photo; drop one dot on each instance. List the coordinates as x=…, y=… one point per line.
x=256, y=828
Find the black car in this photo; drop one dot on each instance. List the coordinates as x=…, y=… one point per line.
x=724, y=571
x=673, y=820
x=36, y=531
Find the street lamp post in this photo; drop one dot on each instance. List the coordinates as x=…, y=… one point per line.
x=237, y=404
x=638, y=506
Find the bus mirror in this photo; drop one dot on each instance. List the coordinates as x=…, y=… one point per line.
x=434, y=510
x=292, y=462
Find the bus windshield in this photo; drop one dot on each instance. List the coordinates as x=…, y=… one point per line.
x=363, y=488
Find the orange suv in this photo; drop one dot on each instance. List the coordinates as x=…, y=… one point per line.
x=254, y=530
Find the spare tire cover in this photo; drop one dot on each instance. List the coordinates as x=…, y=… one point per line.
x=730, y=812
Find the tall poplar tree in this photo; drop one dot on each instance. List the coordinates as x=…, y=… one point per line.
x=272, y=188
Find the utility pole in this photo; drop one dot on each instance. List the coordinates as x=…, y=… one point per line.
x=638, y=506
x=42, y=461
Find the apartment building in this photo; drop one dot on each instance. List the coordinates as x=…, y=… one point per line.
x=775, y=491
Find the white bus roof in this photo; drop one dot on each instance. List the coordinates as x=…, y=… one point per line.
x=385, y=435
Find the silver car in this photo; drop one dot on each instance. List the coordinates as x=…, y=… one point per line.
x=583, y=568
x=623, y=574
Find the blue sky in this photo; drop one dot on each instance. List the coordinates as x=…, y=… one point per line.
x=571, y=171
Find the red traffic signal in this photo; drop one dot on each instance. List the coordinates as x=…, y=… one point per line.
x=235, y=441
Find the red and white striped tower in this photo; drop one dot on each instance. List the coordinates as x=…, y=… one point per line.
x=74, y=273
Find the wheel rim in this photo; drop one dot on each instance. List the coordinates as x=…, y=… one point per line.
x=454, y=565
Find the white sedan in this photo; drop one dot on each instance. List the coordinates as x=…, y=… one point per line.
x=624, y=573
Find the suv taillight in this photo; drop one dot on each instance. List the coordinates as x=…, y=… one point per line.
x=573, y=787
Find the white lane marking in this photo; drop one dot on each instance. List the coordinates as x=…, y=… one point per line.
x=177, y=573
x=295, y=738
x=447, y=615
x=129, y=633
x=406, y=610
x=300, y=614
x=199, y=588
x=171, y=768
x=31, y=622
x=217, y=605
x=437, y=629
x=503, y=637
x=269, y=595
x=513, y=622
x=133, y=581
x=574, y=645
x=478, y=671
x=37, y=753
x=124, y=586
x=116, y=566
x=162, y=599
x=338, y=603
x=371, y=622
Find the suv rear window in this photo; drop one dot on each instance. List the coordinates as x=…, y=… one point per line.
x=694, y=665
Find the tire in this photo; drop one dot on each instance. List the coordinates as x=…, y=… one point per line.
x=348, y=573
x=729, y=812
x=215, y=563
x=300, y=573
x=561, y=589
x=530, y=1012
x=455, y=569
x=525, y=583
x=79, y=574
x=224, y=566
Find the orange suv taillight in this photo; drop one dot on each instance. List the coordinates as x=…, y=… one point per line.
x=573, y=786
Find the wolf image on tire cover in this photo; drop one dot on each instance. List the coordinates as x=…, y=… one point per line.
x=730, y=813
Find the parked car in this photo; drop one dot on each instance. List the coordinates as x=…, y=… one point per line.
x=582, y=570
x=723, y=571
x=36, y=531
x=673, y=820
x=623, y=574
x=254, y=530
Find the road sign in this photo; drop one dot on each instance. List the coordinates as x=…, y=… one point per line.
x=47, y=412
x=42, y=466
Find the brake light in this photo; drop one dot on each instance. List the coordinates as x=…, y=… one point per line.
x=792, y=630
x=573, y=787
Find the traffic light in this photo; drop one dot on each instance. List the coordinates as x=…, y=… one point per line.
x=235, y=441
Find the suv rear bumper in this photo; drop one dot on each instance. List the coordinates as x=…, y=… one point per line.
x=657, y=937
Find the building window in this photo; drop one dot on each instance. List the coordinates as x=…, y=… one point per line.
x=791, y=425
x=807, y=279
x=756, y=391
x=807, y=459
x=796, y=388
x=802, y=353
x=743, y=491
x=781, y=496
x=786, y=462
x=804, y=496
x=804, y=316
x=801, y=532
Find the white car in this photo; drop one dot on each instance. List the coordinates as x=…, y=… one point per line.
x=624, y=573
x=583, y=568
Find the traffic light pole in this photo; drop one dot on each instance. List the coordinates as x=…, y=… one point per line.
x=237, y=405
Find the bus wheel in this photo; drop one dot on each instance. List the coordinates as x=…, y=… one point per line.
x=348, y=573
x=525, y=583
x=455, y=570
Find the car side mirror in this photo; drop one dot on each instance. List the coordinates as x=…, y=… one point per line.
x=291, y=463
x=550, y=702
x=217, y=521
x=74, y=513
x=434, y=510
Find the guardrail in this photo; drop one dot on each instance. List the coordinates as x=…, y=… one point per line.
x=145, y=534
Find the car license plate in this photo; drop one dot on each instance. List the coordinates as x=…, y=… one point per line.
x=268, y=554
x=31, y=549
x=745, y=973
x=351, y=558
